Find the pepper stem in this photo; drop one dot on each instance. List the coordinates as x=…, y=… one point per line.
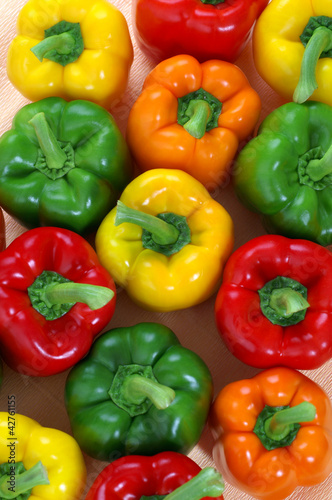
x=199, y=112
x=207, y=483
x=93, y=296
x=63, y=44
x=320, y=41
x=55, y=156
x=277, y=427
x=162, y=232
x=23, y=482
x=136, y=388
x=286, y=301
x=317, y=169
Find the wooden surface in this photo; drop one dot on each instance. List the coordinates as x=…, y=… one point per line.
x=42, y=398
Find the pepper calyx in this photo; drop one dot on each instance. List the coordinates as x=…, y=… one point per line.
x=277, y=426
x=212, y=2
x=283, y=301
x=53, y=295
x=165, y=233
x=317, y=40
x=135, y=389
x=198, y=112
x=63, y=43
x=16, y=482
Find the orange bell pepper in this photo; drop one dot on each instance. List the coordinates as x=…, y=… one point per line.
x=260, y=448
x=193, y=117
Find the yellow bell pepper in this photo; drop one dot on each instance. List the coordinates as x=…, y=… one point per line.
x=297, y=69
x=54, y=464
x=85, y=53
x=167, y=241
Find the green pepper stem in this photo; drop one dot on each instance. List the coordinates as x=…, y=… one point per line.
x=162, y=232
x=320, y=41
x=55, y=156
x=63, y=44
x=317, y=169
x=63, y=293
x=136, y=388
x=199, y=112
x=23, y=482
x=277, y=426
x=286, y=301
x=207, y=483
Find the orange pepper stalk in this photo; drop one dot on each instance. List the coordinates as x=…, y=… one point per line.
x=193, y=117
x=273, y=433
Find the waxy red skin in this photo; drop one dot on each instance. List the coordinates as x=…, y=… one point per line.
x=165, y=28
x=247, y=333
x=29, y=343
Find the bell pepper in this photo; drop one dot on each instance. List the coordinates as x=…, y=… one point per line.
x=167, y=241
x=2, y=232
x=273, y=433
x=192, y=116
x=62, y=164
x=292, y=49
x=38, y=463
x=272, y=307
x=77, y=49
x=168, y=475
x=205, y=29
x=138, y=391
x=284, y=173
x=55, y=298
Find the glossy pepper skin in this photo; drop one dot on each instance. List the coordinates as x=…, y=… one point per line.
x=284, y=173
x=140, y=477
x=94, y=67
x=279, y=52
x=172, y=125
x=62, y=164
x=110, y=420
x=241, y=456
x=152, y=279
x=31, y=342
x=253, y=321
x=22, y=439
x=2, y=231
x=206, y=30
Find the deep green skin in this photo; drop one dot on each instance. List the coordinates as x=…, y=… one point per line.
x=105, y=431
x=266, y=178
x=81, y=198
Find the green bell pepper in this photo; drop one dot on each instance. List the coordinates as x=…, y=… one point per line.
x=138, y=392
x=285, y=172
x=62, y=164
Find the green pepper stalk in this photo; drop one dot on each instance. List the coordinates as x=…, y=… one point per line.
x=317, y=38
x=165, y=233
x=52, y=295
x=207, y=483
x=23, y=480
x=198, y=112
x=278, y=426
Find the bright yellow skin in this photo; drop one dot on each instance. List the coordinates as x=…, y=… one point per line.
x=278, y=50
x=58, y=452
x=101, y=72
x=186, y=278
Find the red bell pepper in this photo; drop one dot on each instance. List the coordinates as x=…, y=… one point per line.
x=55, y=297
x=2, y=232
x=205, y=29
x=168, y=473
x=274, y=306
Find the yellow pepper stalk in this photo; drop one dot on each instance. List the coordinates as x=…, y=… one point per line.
x=74, y=49
x=296, y=68
x=137, y=242
x=54, y=464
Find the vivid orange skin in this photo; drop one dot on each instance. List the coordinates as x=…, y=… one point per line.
x=155, y=138
x=240, y=455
